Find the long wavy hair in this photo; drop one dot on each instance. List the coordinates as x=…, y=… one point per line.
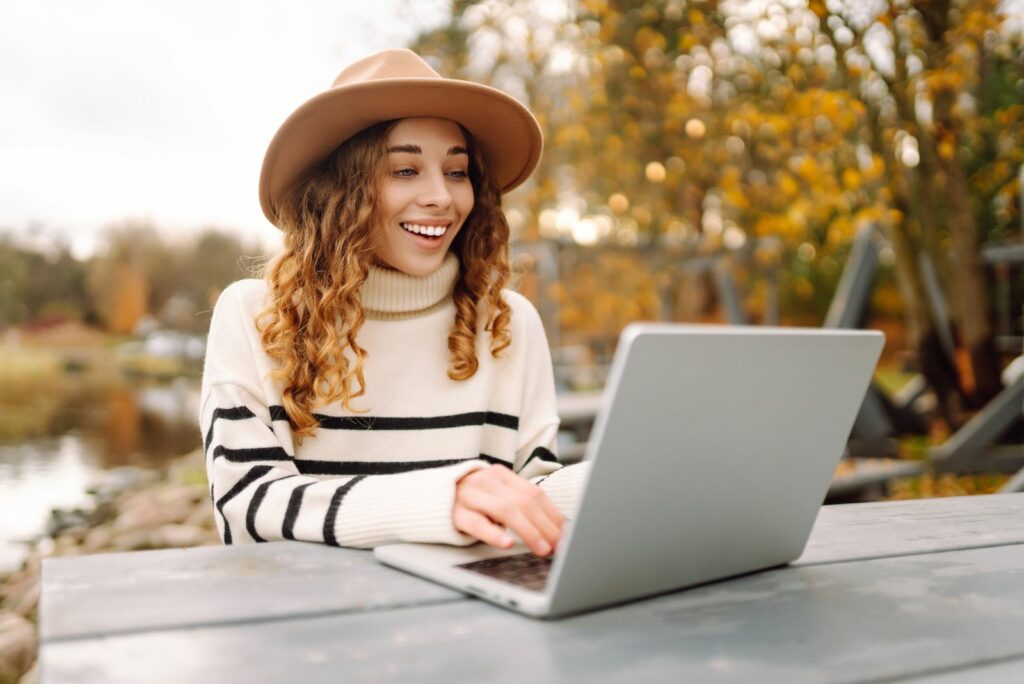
x=311, y=323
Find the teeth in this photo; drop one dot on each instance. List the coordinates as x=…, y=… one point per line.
x=430, y=231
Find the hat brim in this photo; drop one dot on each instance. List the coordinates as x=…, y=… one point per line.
x=506, y=131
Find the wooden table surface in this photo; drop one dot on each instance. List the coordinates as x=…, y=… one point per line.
x=928, y=590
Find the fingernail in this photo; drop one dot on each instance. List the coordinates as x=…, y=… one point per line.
x=543, y=548
x=507, y=540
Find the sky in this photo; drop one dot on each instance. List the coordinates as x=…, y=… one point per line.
x=158, y=110
x=116, y=110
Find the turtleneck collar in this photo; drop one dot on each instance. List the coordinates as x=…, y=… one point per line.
x=388, y=293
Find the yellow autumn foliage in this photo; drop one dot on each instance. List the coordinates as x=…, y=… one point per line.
x=795, y=140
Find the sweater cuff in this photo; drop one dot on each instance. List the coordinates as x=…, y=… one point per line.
x=565, y=487
x=406, y=507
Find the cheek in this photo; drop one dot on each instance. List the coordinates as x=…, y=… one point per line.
x=393, y=198
x=383, y=218
x=467, y=201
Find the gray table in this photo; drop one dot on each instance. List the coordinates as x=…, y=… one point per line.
x=901, y=591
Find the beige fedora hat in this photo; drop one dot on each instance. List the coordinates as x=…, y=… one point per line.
x=397, y=84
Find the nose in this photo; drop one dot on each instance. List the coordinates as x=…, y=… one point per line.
x=435, y=192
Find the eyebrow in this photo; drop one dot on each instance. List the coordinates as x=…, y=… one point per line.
x=416, y=149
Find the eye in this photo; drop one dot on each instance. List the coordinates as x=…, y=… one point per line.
x=404, y=172
x=460, y=173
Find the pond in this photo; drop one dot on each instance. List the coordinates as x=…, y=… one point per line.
x=57, y=437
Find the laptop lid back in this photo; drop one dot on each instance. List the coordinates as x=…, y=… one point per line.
x=712, y=452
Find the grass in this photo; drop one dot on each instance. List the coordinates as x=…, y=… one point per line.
x=915, y=448
x=929, y=485
x=891, y=380
x=23, y=365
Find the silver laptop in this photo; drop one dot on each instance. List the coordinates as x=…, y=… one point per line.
x=711, y=452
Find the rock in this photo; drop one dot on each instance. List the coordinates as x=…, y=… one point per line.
x=178, y=536
x=75, y=534
x=45, y=547
x=13, y=585
x=155, y=506
x=105, y=511
x=99, y=539
x=29, y=570
x=132, y=540
x=187, y=464
x=32, y=676
x=201, y=515
x=125, y=478
x=79, y=519
x=27, y=603
x=18, y=645
x=139, y=513
x=21, y=595
x=61, y=520
x=182, y=494
x=66, y=546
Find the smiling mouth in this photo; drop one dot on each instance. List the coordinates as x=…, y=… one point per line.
x=435, y=232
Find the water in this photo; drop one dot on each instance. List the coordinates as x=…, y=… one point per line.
x=56, y=442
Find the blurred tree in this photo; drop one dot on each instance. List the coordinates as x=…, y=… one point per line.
x=943, y=83
x=528, y=48
x=710, y=123
x=210, y=262
x=137, y=272
x=121, y=275
x=36, y=284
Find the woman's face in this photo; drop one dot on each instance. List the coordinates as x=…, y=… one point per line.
x=426, y=195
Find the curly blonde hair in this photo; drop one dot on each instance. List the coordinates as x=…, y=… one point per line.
x=311, y=323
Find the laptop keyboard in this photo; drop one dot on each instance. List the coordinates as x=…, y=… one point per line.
x=524, y=569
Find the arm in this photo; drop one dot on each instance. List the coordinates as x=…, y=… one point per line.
x=488, y=502
x=257, y=488
x=536, y=451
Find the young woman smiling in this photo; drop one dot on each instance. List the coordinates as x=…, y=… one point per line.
x=380, y=384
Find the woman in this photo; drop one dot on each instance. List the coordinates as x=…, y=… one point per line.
x=379, y=384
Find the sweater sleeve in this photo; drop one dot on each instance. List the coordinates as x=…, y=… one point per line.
x=257, y=490
x=536, y=452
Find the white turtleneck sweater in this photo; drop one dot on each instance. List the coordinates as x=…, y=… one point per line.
x=388, y=474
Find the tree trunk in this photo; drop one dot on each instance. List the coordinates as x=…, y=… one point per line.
x=972, y=309
x=971, y=284
x=937, y=369
x=934, y=364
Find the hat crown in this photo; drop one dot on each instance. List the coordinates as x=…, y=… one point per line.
x=399, y=63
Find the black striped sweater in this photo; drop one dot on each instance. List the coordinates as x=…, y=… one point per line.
x=387, y=474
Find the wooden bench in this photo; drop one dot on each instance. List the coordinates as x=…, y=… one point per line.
x=577, y=411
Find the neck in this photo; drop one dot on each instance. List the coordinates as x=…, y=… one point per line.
x=389, y=293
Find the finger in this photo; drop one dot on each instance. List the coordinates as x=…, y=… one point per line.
x=551, y=510
x=520, y=523
x=480, y=527
x=531, y=535
x=538, y=507
x=545, y=524
x=505, y=509
x=534, y=503
x=510, y=500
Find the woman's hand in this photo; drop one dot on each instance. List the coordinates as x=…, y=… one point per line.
x=489, y=500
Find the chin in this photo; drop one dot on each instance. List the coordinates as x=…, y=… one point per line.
x=419, y=267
